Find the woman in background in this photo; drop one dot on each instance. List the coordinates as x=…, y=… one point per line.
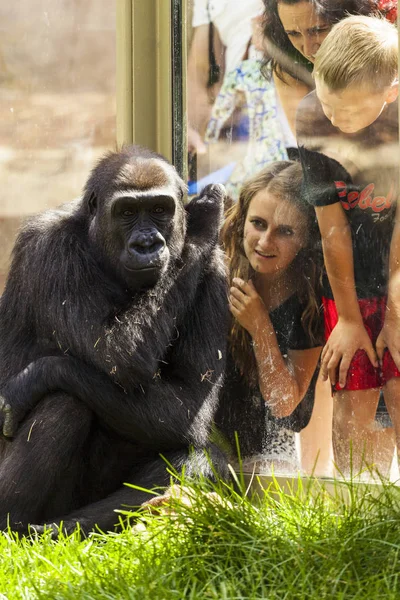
x=233, y=124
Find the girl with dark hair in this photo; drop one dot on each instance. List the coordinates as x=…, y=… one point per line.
x=272, y=244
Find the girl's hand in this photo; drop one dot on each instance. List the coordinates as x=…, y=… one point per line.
x=346, y=338
x=247, y=306
x=389, y=338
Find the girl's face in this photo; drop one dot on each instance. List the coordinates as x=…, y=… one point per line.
x=274, y=232
x=304, y=27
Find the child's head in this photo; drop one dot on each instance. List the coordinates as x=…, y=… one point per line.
x=356, y=71
x=270, y=224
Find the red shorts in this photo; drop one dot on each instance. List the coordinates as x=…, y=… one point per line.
x=362, y=375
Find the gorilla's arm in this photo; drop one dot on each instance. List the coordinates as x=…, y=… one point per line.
x=179, y=406
x=150, y=326
x=82, y=311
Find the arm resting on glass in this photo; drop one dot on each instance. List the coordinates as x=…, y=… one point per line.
x=349, y=334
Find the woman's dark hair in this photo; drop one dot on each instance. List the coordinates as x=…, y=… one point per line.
x=282, y=179
x=281, y=56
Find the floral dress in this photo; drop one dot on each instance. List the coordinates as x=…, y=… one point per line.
x=266, y=140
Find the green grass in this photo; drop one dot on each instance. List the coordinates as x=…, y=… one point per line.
x=284, y=546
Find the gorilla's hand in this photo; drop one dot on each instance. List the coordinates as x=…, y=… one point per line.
x=6, y=418
x=15, y=402
x=205, y=213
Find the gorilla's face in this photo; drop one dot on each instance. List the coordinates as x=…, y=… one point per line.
x=140, y=226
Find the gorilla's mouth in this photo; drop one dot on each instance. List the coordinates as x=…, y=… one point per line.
x=143, y=269
x=145, y=261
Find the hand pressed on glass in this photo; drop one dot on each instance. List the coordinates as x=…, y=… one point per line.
x=346, y=338
x=15, y=402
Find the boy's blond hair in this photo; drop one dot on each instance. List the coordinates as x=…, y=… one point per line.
x=359, y=51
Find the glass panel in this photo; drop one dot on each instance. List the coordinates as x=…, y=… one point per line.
x=57, y=99
x=299, y=226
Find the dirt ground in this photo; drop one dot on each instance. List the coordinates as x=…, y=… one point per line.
x=57, y=104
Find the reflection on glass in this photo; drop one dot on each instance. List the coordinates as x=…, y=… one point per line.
x=233, y=122
x=57, y=96
x=347, y=143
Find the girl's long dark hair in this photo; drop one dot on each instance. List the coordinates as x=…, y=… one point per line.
x=283, y=179
x=281, y=56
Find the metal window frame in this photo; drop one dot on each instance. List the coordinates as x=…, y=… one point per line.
x=151, y=76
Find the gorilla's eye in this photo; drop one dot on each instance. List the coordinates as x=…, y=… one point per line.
x=127, y=213
x=158, y=209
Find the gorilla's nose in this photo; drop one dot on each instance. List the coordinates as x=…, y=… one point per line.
x=146, y=242
x=144, y=239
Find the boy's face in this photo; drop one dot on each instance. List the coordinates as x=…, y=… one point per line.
x=353, y=108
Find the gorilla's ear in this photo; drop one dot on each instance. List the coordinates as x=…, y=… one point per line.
x=182, y=190
x=92, y=203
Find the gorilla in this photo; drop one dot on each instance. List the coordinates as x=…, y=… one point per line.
x=113, y=328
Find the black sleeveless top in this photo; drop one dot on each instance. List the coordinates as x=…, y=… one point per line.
x=242, y=407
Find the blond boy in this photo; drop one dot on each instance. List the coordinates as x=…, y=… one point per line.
x=347, y=132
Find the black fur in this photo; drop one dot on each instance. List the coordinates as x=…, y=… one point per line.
x=104, y=368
